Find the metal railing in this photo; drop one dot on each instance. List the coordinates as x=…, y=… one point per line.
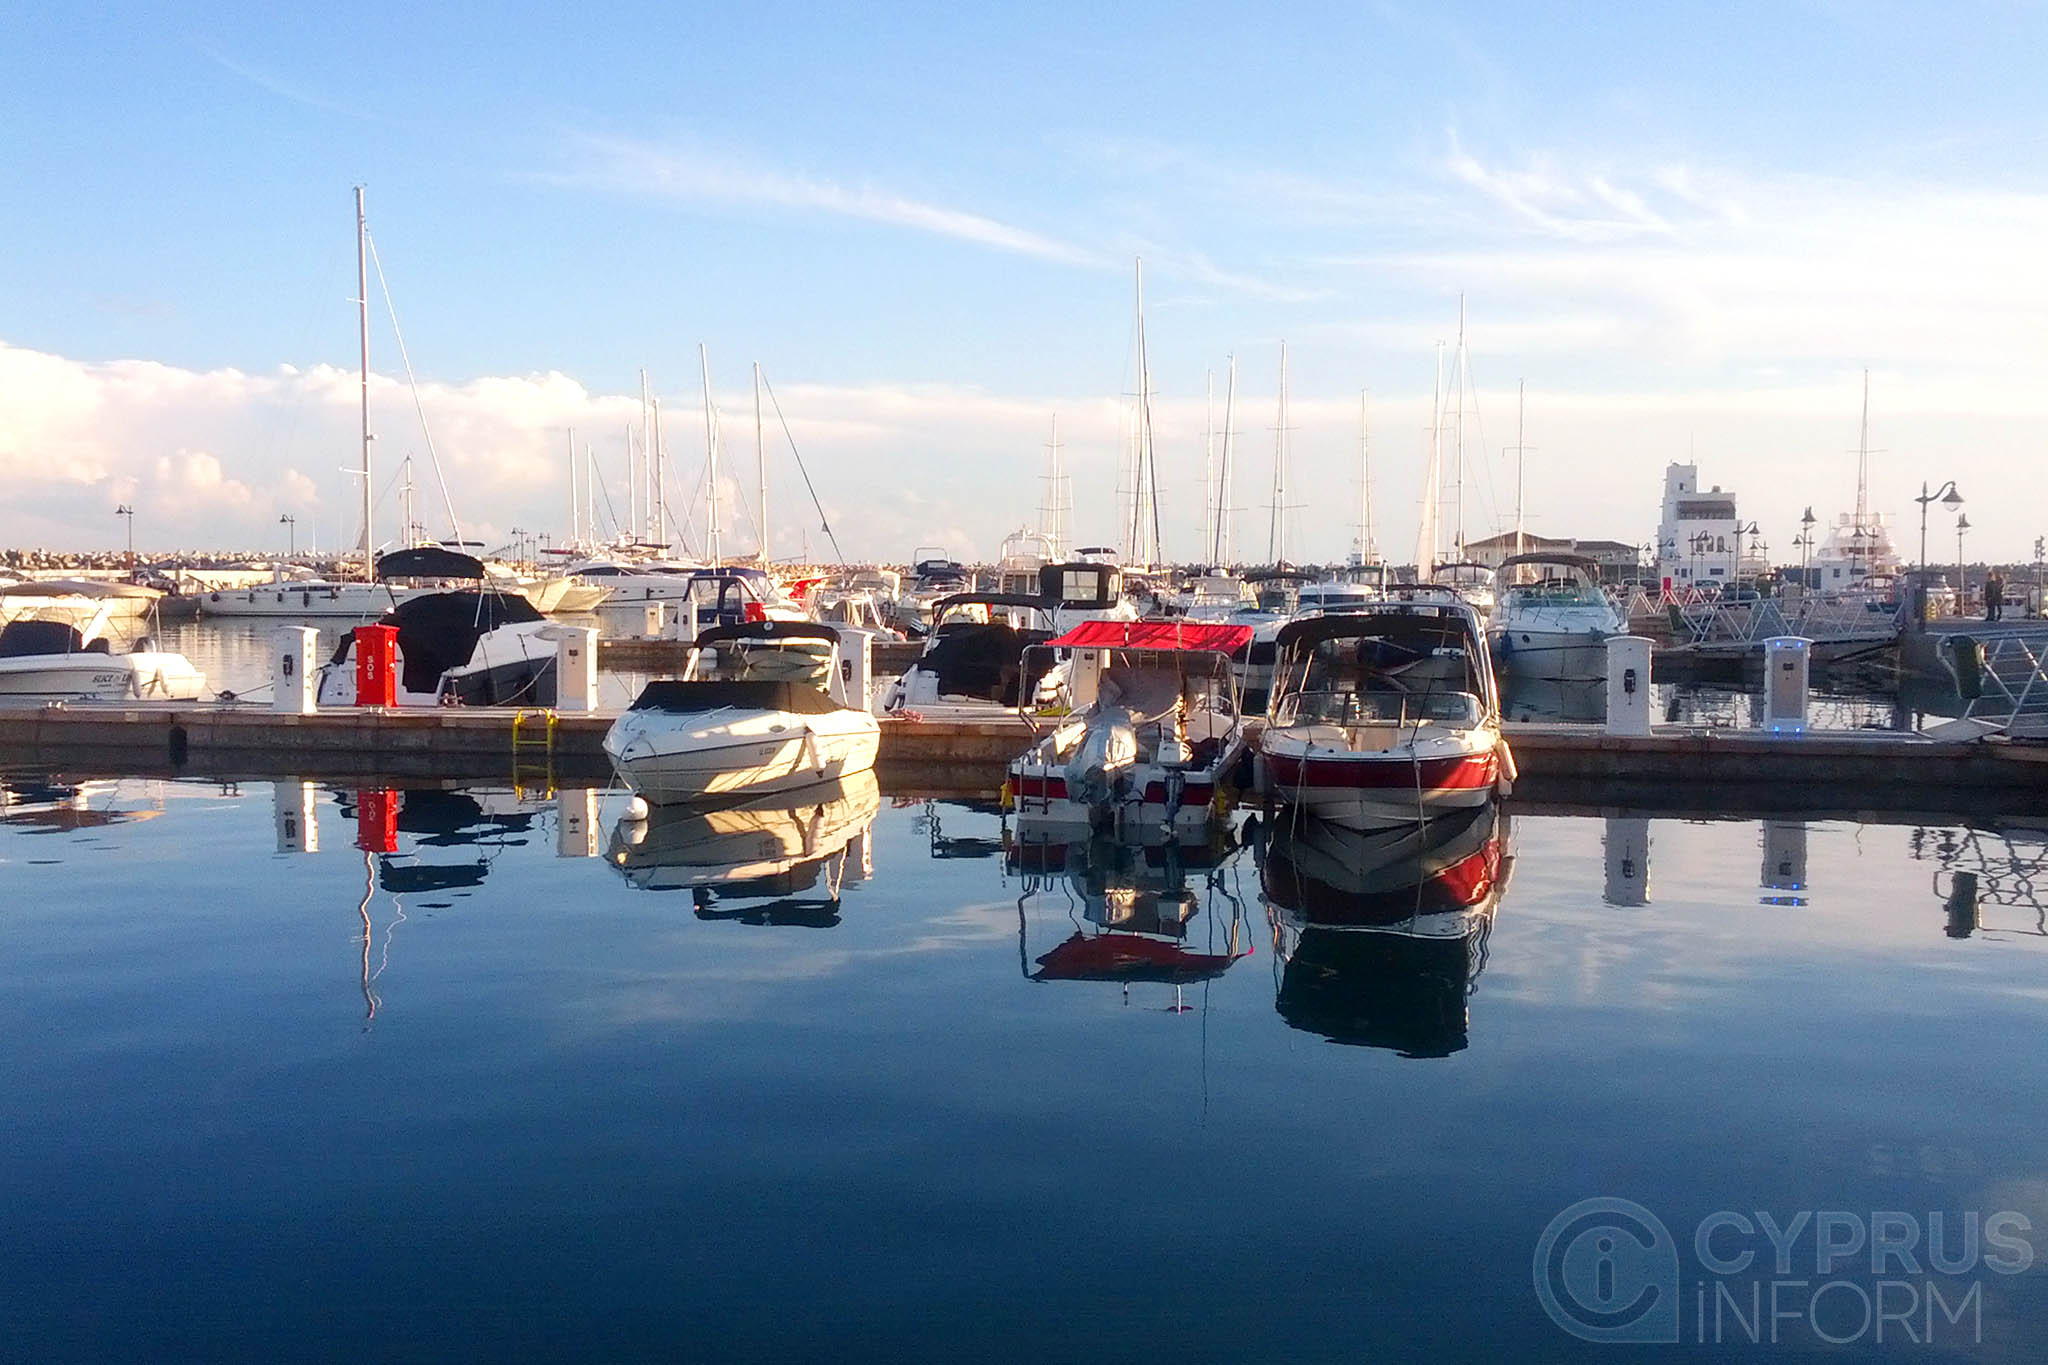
x=2011, y=681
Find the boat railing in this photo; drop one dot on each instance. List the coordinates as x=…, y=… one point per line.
x=1755, y=619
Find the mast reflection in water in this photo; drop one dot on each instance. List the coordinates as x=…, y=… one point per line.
x=1382, y=935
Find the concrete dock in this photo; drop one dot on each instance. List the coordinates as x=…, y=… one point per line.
x=1846, y=768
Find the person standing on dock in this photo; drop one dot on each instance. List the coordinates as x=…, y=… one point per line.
x=1994, y=596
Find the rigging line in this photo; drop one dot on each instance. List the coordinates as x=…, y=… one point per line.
x=610, y=511
x=433, y=455
x=824, y=522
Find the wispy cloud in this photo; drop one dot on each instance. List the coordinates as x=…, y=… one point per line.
x=631, y=167
x=265, y=81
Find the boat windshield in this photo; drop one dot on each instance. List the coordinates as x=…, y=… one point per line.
x=1364, y=681
x=1555, y=592
x=798, y=661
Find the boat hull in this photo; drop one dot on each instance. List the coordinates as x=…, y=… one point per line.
x=1550, y=655
x=1373, y=790
x=284, y=602
x=717, y=755
x=87, y=676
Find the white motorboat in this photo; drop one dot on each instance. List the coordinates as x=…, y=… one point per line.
x=979, y=661
x=1157, y=731
x=1473, y=582
x=761, y=707
x=933, y=577
x=307, y=599
x=53, y=660
x=461, y=648
x=1555, y=625
x=1387, y=716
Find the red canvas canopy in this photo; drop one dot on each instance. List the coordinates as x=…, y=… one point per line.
x=1156, y=635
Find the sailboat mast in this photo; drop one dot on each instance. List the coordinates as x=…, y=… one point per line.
x=1276, y=530
x=1223, y=548
x=1145, y=493
x=1520, y=455
x=1458, y=485
x=363, y=327
x=635, y=466
x=1365, y=545
x=1208, y=456
x=710, y=455
x=1863, y=461
x=760, y=467
x=1052, y=522
x=1432, y=486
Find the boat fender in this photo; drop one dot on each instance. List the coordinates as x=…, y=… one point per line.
x=1966, y=664
x=1504, y=783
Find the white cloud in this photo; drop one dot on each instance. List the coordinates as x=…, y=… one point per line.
x=630, y=167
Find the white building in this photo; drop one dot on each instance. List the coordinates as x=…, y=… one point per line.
x=1701, y=539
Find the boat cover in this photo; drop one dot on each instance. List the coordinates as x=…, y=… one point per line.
x=428, y=561
x=1224, y=639
x=439, y=631
x=29, y=637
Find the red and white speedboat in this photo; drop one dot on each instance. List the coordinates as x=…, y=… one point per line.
x=1387, y=716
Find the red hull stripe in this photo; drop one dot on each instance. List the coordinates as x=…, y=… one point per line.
x=1437, y=774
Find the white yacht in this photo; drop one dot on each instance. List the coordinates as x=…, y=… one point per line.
x=761, y=707
x=1551, y=619
x=53, y=660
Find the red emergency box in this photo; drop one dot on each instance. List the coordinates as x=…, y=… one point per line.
x=376, y=665
x=377, y=820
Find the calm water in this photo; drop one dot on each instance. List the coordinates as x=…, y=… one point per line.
x=792, y=1085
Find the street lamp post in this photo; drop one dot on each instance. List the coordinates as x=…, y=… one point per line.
x=124, y=510
x=291, y=525
x=1735, y=570
x=1962, y=598
x=1806, y=547
x=1948, y=497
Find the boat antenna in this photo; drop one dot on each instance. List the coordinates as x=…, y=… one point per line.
x=1224, y=511
x=760, y=467
x=710, y=456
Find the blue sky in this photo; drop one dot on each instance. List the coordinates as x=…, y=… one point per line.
x=1687, y=227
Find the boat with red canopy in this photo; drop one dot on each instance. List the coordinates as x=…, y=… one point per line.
x=1157, y=725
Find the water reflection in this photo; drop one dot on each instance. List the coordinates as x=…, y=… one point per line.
x=1784, y=862
x=1989, y=880
x=754, y=860
x=1625, y=848
x=51, y=805
x=1382, y=935
x=1109, y=911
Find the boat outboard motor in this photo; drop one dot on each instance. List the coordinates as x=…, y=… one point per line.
x=1097, y=771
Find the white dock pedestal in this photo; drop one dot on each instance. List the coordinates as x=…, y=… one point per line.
x=575, y=667
x=1628, y=685
x=1786, y=671
x=295, y=670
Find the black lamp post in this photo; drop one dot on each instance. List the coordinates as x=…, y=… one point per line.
x=1962, y=600
x=124, y=510
x=291, y=525
x=1948, y=497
